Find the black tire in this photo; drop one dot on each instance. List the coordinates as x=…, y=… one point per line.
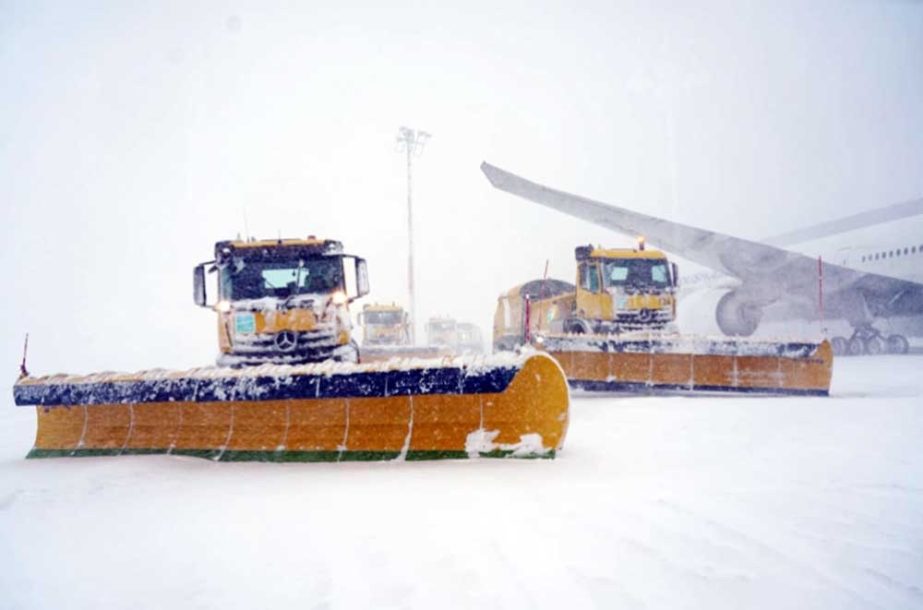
x=577, y=327
x=874, y=346
x=839, y=345
x=855, y=347
x=897, y=344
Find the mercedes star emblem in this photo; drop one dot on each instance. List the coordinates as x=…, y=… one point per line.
x=286, y=341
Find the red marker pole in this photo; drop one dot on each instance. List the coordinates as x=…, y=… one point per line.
x=527, y=314
x=23, y=371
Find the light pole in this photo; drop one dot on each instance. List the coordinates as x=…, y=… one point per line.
x=412, y=142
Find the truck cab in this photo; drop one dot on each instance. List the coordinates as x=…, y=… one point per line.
x=623, y=288
x=384, y=324
x=283, y=301
x=442, y=332
x=470, y=340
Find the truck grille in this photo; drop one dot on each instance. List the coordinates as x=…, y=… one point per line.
x=285, y=347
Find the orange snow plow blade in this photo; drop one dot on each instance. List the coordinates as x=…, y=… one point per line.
x=650, y=364
x=484, y=407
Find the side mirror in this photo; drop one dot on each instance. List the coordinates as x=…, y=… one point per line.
x=362, y=277
x=675, y=270
x=198, y=285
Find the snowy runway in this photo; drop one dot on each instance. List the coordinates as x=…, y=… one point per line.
x=655, y=502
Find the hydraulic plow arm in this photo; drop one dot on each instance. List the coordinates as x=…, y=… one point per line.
x=428, y=410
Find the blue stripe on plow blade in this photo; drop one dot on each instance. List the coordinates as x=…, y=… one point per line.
x=372, y=384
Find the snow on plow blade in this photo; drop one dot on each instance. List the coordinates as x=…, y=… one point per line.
x=662, y=364
x=382, y=353
x=484, y=407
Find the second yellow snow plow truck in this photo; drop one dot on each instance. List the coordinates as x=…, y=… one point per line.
x=384, y=324
x=617, y=290
x=386, y=335
x=584, y=328
x=283, y=321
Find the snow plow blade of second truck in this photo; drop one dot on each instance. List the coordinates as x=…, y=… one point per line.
x=652, y=362
x=501, y=406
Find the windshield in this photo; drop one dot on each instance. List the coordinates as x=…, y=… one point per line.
x=636, y=273
x=281, y=279
x=383, y=317
x=447, y=325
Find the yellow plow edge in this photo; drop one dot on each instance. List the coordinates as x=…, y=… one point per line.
x=604, y=364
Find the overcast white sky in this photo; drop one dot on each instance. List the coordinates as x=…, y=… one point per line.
x=134, y=135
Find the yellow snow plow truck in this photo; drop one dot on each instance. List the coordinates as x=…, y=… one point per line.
x=442, y=332
x=617, y=290
x=384, y=324
x=283, y=301
x=386, y=335
x=279, y=393
x=584, y=328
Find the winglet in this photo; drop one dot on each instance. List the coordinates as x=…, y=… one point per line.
x=494, y=174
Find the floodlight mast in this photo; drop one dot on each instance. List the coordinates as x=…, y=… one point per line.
x=412, y=142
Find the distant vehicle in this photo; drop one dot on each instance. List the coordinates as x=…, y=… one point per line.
x=456, y=337
x=384, y=324
x=442, y=332
x=470, y=340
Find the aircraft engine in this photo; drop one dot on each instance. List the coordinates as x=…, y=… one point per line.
x=736, y=316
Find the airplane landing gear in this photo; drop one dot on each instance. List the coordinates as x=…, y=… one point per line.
x=840, y=345
x=866, y=339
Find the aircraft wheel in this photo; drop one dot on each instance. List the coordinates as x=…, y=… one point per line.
x=840, y=346
x=874, y=346
x=897, y=344
x=855, y=347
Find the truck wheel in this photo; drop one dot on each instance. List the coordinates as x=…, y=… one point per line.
x=577, y=327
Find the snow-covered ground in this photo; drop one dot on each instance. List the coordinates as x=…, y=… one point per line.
x=655, y=502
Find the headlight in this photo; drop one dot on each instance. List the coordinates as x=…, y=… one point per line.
x=223, y=306
x=339, y=298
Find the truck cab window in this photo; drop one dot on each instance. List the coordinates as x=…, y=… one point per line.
x=589, y=277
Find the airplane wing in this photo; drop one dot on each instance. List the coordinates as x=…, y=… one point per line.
x=760, y=267
x=861, y=220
